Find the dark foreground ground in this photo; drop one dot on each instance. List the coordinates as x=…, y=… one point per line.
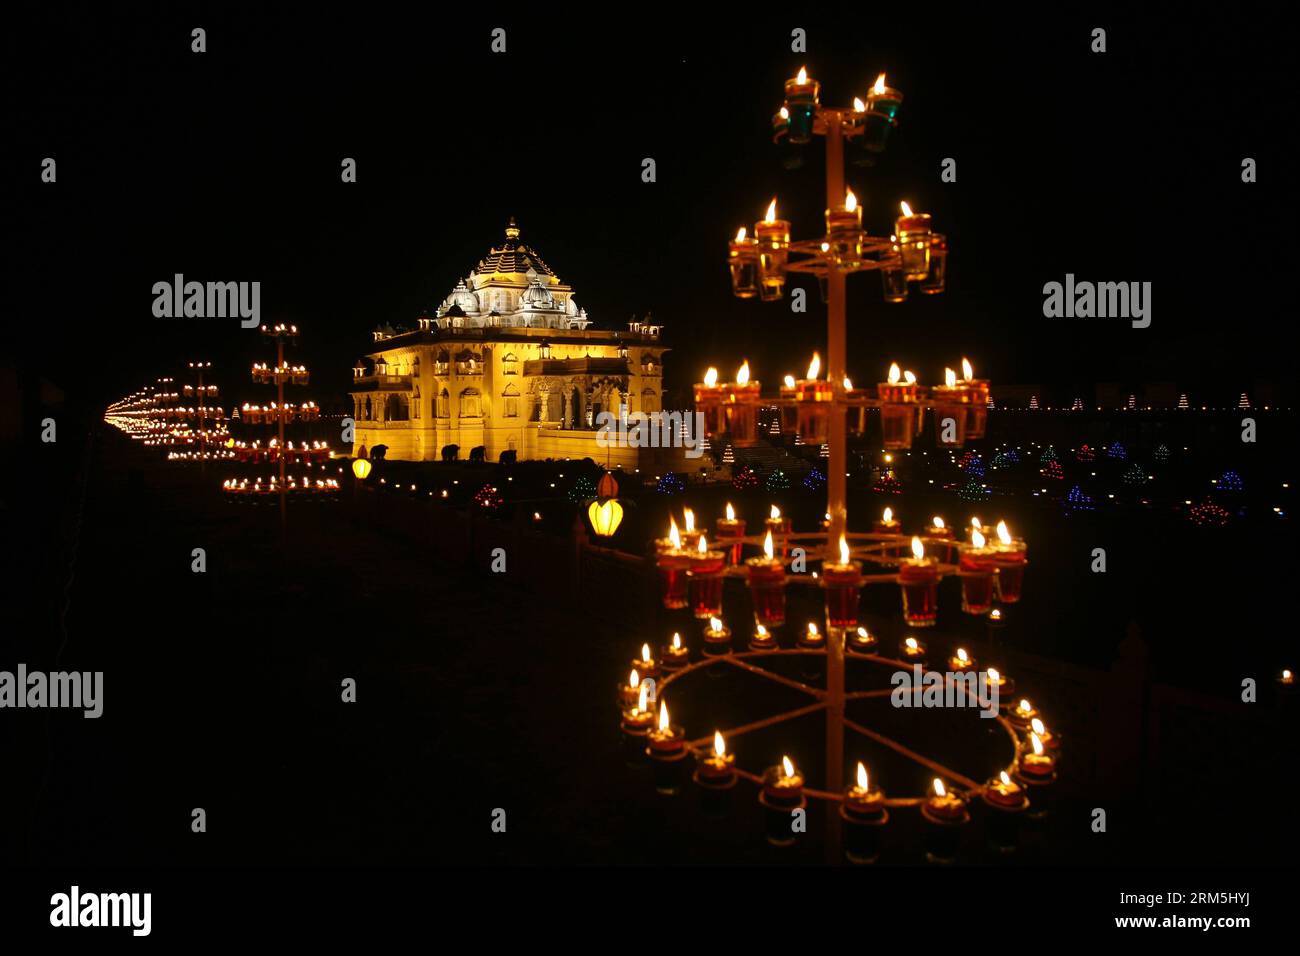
x=223, y=692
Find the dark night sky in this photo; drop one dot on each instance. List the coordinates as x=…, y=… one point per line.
x=225, y=166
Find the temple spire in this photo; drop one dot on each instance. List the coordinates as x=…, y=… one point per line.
x=512, y=230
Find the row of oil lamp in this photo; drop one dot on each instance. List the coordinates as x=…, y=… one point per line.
x=242, y=486
x=732, y=407
x=270, y=414
x=306, y=453
x=866, y=125
x=758, y=262
x=650, y=734
x=692, y=572
x=268, y=375
x=184, y=413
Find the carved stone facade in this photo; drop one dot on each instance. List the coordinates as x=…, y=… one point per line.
x=510, y=362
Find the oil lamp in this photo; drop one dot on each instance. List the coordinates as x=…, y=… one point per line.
x=919, y=578
x=789, y=393
x=791, y=153
x=936, y=278
x=1022, y=714
x=1050, y=741
x=898, y=408
x=646, y=665
x=762, y=639
x=667, y=748
x=717, y=638
x=814, y=395
x=690, y=534
x=882, y=110
x=893, y=279
x=977, y=402
x=960, y=661
x=676, y=654
x=811, y=638
x=801, y=94
x=950, y=401
x=977, y=568
x=773, y=237
x=912, y=651
x=1010, y=561
x=741, y=401
x=1006, y=801
x=782, y=794
x=766, y=576
x=857, y=411
x=636, y=724
x=778, y=526
x=864, y=814
x=709, y=397
x=945, y=814
x=1038, y=764
x=742, y=258
x=629, y=693
x=862, y=641
x=842, y=581
x=913, y=231
x=939, y=529
x=887, y=524
x=673, y=562
x=717, y=770
x=844, y=232
x=731, y=527
x=705, y=578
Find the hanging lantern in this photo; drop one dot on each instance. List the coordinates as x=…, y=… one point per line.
x=361, y=468
x=605, y=516
x=801, y=95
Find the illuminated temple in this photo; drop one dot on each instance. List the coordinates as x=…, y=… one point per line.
x=508, y=362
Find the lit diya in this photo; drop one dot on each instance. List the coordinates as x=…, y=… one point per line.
x=814, y=395
x=766, y=577
x=1006, y=800
x=705, y=579
x=1022, y=714
x=716, y=770
x=778, y=526
x=1037, y=766
x=667, y=748
x=1050, y=741
x=919, y=579
x=729, y=528
x=898, y=407
x=864, y=814
x=945, y=814
x=646, y=665
x=639, y=718
x=862, y=641
x=629, y=693
x=977, y=567
x=998, y=684
x=812, y=638
x=912, y=651
x=717, y=638
x=1010, y=561
x=842, y=581
x=762, y=639
x=673, y=561
x=960, y=661
x=676, y=654
x=950, y=401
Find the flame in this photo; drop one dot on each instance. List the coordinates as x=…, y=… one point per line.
x=742, y=376
x=912, y=645
x=844, y=550
x=802, y=78
x=775, y=512
x=967, y=372
x=719, y=745
x=787, y=766
x=879, y=87
x=1024, y=707
x=740, y=234
x=771, y=211
x=768, y=549
x=996, y=614
x=909, y=378
x=704, y=545
x=812, y=629
x=760, y=630
x=862, y=777
x=789, y=381
x=939, y=790
x=644, y=697
x=850, y=201
x=815, y=366
x=634, y=680
x=663, y=715
x=977, y=539
x=994, y=676
x=689, y=516
x=907, y=210
x=895, y=373
x=715, y=624
x=1006, y=780
x=1037, y=742
x=711, y=377
x=937, y=522
x=949, y=377
x=1003, y=534
x=961, y=655
x=674, y=538
x=975, y=523
x=731, y=512
x=848, y=384
x=864, y=634
x=858, y=105
x=677, y=640
x=645, y=653
x=1038, y=726
x=918, y=549
x=785, y=113
x=888, y=515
